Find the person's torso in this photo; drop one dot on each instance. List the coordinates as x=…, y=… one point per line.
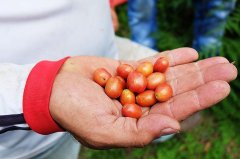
x=35, y=30
x=31, y=31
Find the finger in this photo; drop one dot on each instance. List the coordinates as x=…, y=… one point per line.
x=133, y=133
x=153, y=126
x=176, y=57
x=184, y=105
x=224, y=72
x=180, y=70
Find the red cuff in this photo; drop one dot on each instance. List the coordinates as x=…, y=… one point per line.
x=114, y=3
x=111, y=3
x=37, y=94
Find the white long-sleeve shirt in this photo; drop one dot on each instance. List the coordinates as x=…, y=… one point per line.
x=31, y=31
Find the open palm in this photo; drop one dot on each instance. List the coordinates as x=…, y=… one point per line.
x=81, y=107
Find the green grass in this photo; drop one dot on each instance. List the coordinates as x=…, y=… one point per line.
x=218, y=136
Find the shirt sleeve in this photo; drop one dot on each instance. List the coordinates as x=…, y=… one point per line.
x=129, y=50
x=25, y=94
x=12, y=81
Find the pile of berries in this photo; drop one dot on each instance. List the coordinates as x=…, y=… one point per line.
x=135, y=88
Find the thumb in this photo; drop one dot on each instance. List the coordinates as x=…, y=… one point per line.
x=153, y=126
x=129, y=132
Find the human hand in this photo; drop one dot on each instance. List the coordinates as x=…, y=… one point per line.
x=81, y=107
x=115, y=21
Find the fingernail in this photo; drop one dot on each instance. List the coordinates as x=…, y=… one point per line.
x=168, y=131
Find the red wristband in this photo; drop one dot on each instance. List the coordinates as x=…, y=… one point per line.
x=37, y=94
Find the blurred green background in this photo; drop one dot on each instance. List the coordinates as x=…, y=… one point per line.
x=218, y=136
